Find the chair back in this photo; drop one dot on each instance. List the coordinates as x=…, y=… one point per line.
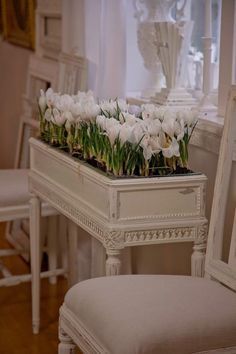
x=72, y=74
x=223, y=270
x=68, y=75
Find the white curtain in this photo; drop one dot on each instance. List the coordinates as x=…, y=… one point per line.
x=97, y=31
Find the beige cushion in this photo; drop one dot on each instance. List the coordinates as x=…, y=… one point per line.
x=14, y=187
x=155, y=314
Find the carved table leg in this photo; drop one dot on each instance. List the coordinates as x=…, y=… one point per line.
x=113, y=263
x=66, y=345
x=198, y=259
x=72, y=253
x=35, y=215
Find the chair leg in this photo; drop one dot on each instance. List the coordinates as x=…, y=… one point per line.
x=66, y=345
x=72, y=253
x=63, y=242
x=52, y=246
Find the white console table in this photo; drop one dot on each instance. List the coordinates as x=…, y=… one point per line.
x=117, y=212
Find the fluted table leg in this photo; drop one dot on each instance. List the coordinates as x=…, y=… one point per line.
x=113, y=263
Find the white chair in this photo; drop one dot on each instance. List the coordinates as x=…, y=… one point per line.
x=160, y=313
x=68, y=75
x=14, y=205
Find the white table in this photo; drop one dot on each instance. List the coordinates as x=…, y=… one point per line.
x=117, y=212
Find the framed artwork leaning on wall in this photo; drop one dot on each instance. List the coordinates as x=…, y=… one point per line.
x=19, y=22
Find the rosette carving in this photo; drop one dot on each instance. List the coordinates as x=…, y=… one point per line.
x=113, y=239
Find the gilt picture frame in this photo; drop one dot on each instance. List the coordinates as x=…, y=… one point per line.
x=19, y=22
x=1, y=23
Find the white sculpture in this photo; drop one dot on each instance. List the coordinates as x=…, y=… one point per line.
x=170, y=39
x=146, y=14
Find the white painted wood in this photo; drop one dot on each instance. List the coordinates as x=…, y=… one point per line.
x=12, y=280
x=223, y=272
x=232, y=252
x=76, y=331
x=48, y=28
x=83, y=185
x=52, y=246
x=72, y=253
x=198, y=259
x=63, y=242
x=66, y=345
x=41, y=74
x=72, y=73
x=215, y=267
x=35, y=216
x=113, y=263
x=119, y=212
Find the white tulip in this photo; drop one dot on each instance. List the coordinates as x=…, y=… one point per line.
x=155, y=144
x=179, y=129
x=137, y=133
x=64, y=103
x=113, y=132
x=121, y=118
x=90, y=111
x=171, y=149
x=111, y=122
x=153, y=126
x=67, y=115
x=125, y=133
x=150, y=111
x=108, y=107
x=147, y=148
x=101, y=121
x=76, y=109
x=50, y=97
x=136, y=110
x=42, y=101
x=48, y=114
x=130, y=119
x=68, y=126
x=160, y=113
x=57, y=118
x=168, y=124
x=122, y=105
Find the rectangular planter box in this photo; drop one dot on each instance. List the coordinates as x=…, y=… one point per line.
x=131, y=210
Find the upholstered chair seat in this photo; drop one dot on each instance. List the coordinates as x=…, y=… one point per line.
x=14, y=187
x=152, y=314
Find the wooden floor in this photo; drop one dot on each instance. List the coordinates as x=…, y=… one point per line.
x=15, y=312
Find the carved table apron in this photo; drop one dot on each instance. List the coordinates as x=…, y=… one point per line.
x=117, y=212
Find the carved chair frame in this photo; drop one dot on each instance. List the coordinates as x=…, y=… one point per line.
x=67, y=75
x=43, y=72
x=222, y=271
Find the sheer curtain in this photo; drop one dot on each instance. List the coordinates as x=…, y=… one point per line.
x=97, y=31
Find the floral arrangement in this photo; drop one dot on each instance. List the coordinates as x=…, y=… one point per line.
x=120, y=139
